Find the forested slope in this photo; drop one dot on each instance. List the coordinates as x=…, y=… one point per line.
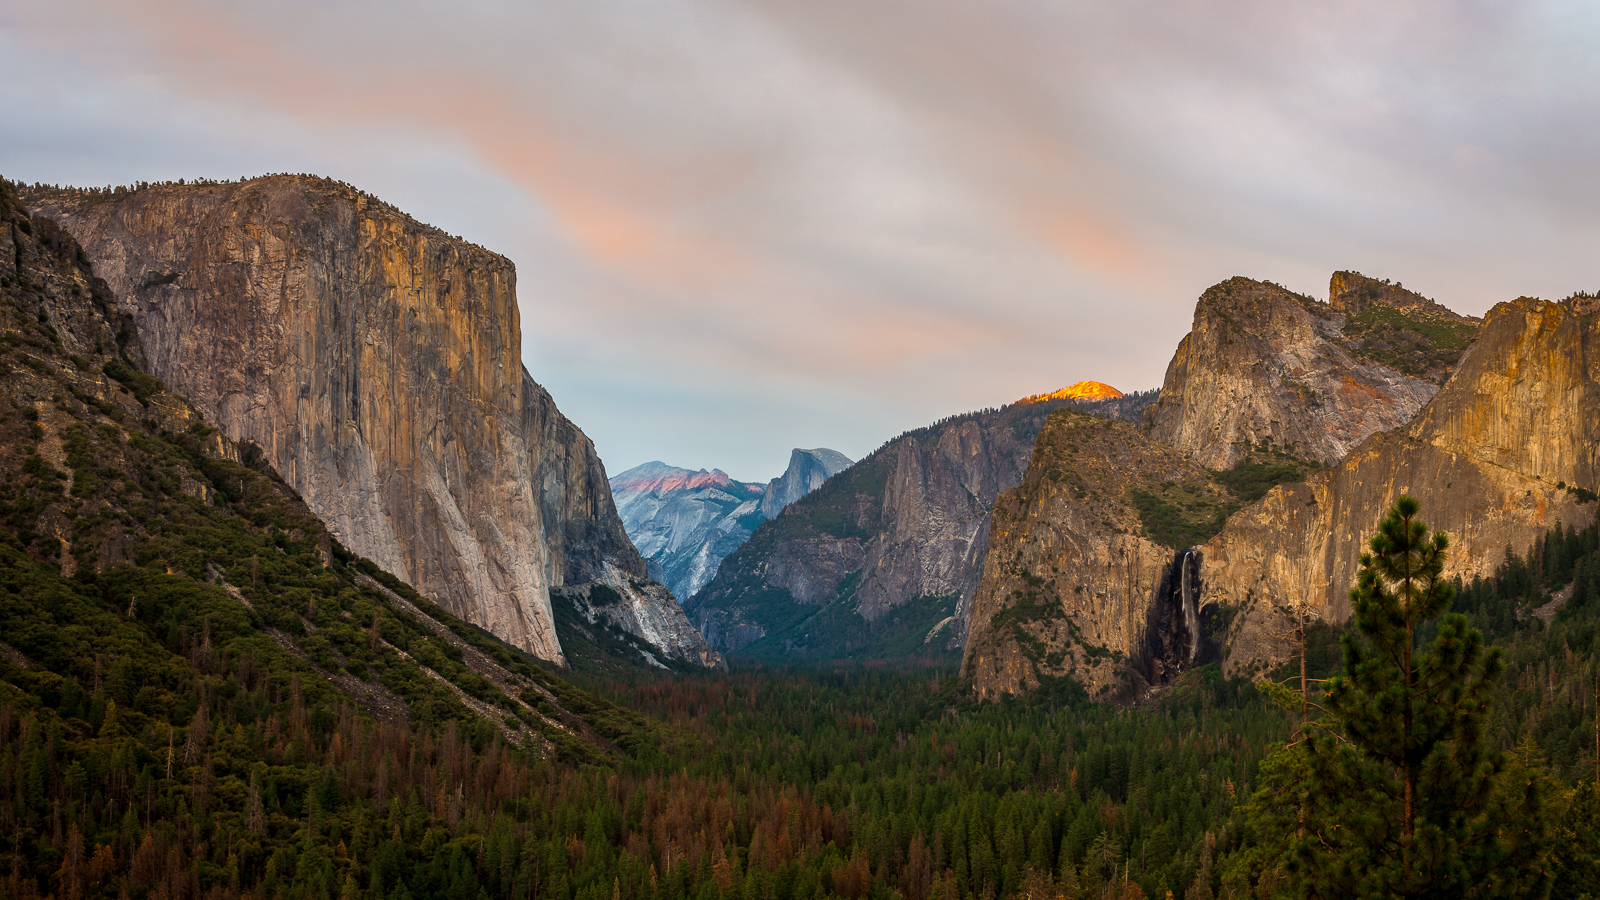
x=199, y=688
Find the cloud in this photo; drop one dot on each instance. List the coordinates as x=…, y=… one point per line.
x=746, y=225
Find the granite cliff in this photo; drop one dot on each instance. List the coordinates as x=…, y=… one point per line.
x=880, y=561
x=1120, y=559
x=808, y=469
x=1263, y=365
x=685, y=522
x=1508, y=447
x=376, y=362
x=133, y=532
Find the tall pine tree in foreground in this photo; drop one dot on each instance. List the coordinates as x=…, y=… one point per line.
x=1394, y=792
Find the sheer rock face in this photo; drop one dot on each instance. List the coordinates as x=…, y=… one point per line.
x=1263, y=365
x=808, y=469
x=685, y=521
x=376, y=361
x=910, y=521
x=1488, y=459
x=1071, y=585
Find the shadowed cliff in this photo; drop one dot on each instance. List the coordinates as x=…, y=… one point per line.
x=882, y=559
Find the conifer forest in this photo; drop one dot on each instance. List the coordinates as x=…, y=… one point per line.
x=156, y=742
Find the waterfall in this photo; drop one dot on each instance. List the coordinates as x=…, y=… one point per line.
x=1191, y=612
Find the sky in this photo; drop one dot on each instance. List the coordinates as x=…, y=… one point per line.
x=743, y=226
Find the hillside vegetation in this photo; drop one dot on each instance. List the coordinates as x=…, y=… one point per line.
x=199, y=688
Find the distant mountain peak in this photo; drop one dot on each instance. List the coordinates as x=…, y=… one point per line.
x=1083, y=390
x=833, y=460
x=808, y=469
x=656, y=477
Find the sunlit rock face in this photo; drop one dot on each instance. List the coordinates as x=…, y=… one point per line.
x=1263, y=365
x=1507, y=447
x=1083, y=390
x=376, y=361
x=1493, y=459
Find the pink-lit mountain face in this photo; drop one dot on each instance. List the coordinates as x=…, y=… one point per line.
x=684, y=521
x=660, y=477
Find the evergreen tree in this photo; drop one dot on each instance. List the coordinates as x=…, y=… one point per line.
x=1577, y=855
x=1403, y=796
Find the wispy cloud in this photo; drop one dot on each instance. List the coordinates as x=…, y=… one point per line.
x=746, y=225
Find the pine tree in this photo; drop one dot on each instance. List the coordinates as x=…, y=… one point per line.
x=1577, y=852
x=1403, y=796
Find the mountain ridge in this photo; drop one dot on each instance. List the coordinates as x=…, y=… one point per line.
x=658, y=476
x=881, y=561
x=685, y=521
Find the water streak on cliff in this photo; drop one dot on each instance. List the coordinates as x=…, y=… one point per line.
x=1188, y=561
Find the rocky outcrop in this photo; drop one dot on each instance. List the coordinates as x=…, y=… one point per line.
x=1077, y=585
x=684, y=521
x=649, y=612
x=376, y=362
x=1263, y=365
x=808, y=469
x=887, y=552
x=1353, y=293
x=1073, y=585
x=1508, y=447
x=1403, y=330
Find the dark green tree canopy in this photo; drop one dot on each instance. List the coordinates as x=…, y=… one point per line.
x=1400, y=795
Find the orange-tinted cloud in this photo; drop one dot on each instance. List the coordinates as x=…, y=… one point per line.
x=1093, y=245
x=966, y=200
x=610, y=204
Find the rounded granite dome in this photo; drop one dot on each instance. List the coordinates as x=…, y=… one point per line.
x=1083, y=390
